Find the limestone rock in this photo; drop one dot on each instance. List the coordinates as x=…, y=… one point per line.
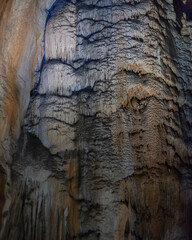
x=95, y=119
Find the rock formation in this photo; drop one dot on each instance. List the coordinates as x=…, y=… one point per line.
x=95, y=119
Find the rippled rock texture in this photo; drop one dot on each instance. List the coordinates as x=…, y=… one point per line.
x=96, y=114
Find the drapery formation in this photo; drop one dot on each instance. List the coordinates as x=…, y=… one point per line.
x=95, y=119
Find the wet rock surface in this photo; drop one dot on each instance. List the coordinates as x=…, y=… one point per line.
x=105, y=147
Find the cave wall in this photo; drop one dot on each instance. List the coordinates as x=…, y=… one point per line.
x=95, y=122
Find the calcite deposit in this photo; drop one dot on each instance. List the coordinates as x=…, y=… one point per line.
x=95, y=119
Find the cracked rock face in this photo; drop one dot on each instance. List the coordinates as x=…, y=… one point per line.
x=96, y=120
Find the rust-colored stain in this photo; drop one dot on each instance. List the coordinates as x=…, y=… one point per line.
x=14, y=54
x=11, y=101
x=72, y=175
x=3, y=6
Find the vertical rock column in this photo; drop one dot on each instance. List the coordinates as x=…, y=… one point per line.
x=105, y=150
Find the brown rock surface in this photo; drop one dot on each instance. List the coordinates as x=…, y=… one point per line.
x=95, y=119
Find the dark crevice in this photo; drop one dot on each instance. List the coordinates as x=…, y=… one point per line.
x=180, y=8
